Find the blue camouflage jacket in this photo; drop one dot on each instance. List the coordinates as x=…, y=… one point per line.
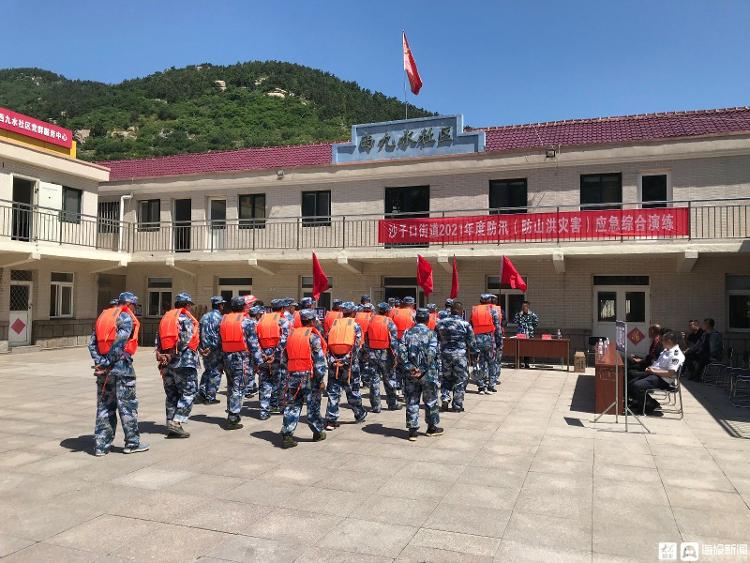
x=185, y=357
x=455, y=336
x=124, y=325
x=209, y=325
x=419, y=350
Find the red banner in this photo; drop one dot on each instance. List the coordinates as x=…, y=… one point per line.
x=30, y=127
x=668, y=222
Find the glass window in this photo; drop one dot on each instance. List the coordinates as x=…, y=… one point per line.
x=306, y=283
x=108, y=217
x=252, y=211
x=606, y=306
x=316, y=209
x=508, y=196
x=149, y=211
x=620, y=280
x=509, y=299
x=635, y=306
x=159, y=296
x=408, y=202
x=61, y=295
x=738, y=301
x=601, y=191
x=71, y=211
x=654, y=191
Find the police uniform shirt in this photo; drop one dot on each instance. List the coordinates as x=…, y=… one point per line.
x=670, y=360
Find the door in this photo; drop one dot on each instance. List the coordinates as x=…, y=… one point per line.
x=629, y=303
x=403, y=287
x=218, y=218
x=23, y=199
x=181, y=224
x=19, y=320
x=411, y=202
x=233, y=287
x=109, y=286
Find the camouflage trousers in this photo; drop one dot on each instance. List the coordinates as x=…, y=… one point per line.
x=180, y=387
x=237, y=368
x=299, y=390
x=427, y=391
x=379, y=367
x=340, y=382
x=496, y=365
x=213, y=365
x=485, y=358
x=270, y=382
x=455, y=375
x=115, y=394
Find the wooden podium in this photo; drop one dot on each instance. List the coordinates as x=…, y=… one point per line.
x=604, y=369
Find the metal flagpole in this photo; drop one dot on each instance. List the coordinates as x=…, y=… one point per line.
x=406, y=106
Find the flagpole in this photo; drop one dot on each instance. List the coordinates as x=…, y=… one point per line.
x=406, y=106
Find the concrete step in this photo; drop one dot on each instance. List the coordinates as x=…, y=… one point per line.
x=25, y=349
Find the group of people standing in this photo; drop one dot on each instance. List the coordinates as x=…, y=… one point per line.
x=420, y=355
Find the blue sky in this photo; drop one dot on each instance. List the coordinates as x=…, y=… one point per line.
x=495, y=62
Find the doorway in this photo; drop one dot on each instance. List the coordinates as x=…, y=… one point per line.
x=19, y=319
x=218, y=218
x=109, y=286
x=181, y=225
x=233, y=287
x=399, y=288
x=623, y=298
x=23, y=199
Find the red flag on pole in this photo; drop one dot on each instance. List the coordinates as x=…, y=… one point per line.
x=510, y=276
x=424, y=275
x=454, y=281
x=320, y=279
x=415, y=81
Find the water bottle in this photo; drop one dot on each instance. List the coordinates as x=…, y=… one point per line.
x=606, y=345
x=559, y=334
x=600, y=348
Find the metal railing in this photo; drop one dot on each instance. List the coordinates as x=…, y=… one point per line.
x=696, y=220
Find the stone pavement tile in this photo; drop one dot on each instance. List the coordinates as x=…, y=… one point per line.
x=243, y=548
x=533, y=553
x=732, y=525
x=677, y=464
x=713, y=481
x=351, y=481
x=433, y=471
x=39, y=521
x=224, y=516
x=320, y=555
x=468, y=520
x=609, y=558
x=294, y=526
x=373, y=465
x=611, y=472
x=467, y=494
x=48, y=552
x=18, y=458
x=152, y=479
x=641, y=543
x=564, y=498
x=208, y=486
x=635, y=493
x=105, y=533
x=547, y=531
x=452, y=541
x=421, y=554
x=171, y=543
x=492, y=461
x=703, y=499
x=57, y=465
x=261, y=492
x=396, y=510
x=10, y=544
x=614, y=457
x=295, y=475
x=159, y=506
x=564, y=466
x=326, y=501
x=513, y=449
x=414, y=489
x=511, y=477
x=374, y=538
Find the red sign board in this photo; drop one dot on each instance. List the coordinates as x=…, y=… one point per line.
x=30, y=127
x=635, y=336
x=668, y=222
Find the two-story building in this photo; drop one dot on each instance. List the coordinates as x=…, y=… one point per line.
x=642, y=218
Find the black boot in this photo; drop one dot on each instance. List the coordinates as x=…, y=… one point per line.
x=288, y=441
x=434, y=431
x=412, y=434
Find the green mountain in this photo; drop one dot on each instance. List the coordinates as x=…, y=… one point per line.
x=199, y=108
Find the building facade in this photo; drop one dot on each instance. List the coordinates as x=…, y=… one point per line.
x=642, y=218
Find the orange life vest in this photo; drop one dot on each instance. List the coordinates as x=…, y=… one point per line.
x=432, y=321
x=329, y=318
x=232, y=335
x=378, y=335
x=404, y=319
x=106, y=330
x=363, y=320
x=169, y=329
x=297, y=320
x=299, y=351
x=391, y=312
x=269, y=331
x=342, y=337
x=481, y=319
x=323, y=343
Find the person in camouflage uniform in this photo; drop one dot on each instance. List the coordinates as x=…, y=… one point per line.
x=303, y=387
x=417, y=355
x=289, y=305
x=306, y=303
x=456, y=339
x=496, y=366
x=344, y=376
x=179, y=370
x=240, y=366
x=269, y=375
x=213, y=359
x=486, y=344
x=379, y=366
x=115, y=386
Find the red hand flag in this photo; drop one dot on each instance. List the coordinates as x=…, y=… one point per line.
x=320, y=279
x=415, y=81
x=510, y=276
x=454, y=281
x=424, y=275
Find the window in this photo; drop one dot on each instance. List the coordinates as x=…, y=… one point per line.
x=71, y=209
x=316, y=209
x=233, y=287
x=621, y=280
x=409, y=202
x=509, y=299
x=606, y=306
x=738, y=301
x=149, y=211
x=508, y=196
x=306, y=283
x=635, y=306
x=252, y=211
x=61, y=295
x=654, y=191
x=159, y=296
x=108, y=217
x=601, y=191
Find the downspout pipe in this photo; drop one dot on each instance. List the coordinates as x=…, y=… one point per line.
x=123, y=199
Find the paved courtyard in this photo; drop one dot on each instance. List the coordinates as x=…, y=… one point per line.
x=519, y=476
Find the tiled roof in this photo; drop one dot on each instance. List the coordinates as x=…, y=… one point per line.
x=602, y=130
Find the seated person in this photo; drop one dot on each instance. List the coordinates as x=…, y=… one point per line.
x=692, y=347
x=654, y=349
x=709, y=349
x=659, y=375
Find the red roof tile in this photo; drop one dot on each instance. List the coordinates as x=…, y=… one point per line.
x=603, y=130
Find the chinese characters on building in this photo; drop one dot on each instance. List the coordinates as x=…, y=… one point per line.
x=30, y=127
x=407, y=138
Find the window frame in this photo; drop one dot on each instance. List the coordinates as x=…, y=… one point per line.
x=504, y=292
x=69, y=216
x=512, y=209
x=657, y=172
x=152, y=287
x=735, y=291
x=305, y=290
x=148, y=226
x=106, y=225
x=315, y=220
x=57, y=287
x=598, y=206
x=252, y=222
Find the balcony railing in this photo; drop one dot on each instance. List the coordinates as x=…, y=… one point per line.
x=686, y=220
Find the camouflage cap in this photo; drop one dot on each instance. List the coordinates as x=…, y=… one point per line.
x=408, y=300
x=306, y=302
x=307, y=315
x=277, y=303
x=365, y=299
x=348, y=307
x=237, y=303
x=217, y=300
x=449, y=302
x=366, y=307
x=485, y=298
x=431, y=307
x=183, y=297
x=127, y=297
x=257, y=310
x=383, y=307
x=422, y=315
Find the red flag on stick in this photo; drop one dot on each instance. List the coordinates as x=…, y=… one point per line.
x=454, y=281
x=320, y=279
x=424, y=275
x=510, y=276
x=415, y=81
